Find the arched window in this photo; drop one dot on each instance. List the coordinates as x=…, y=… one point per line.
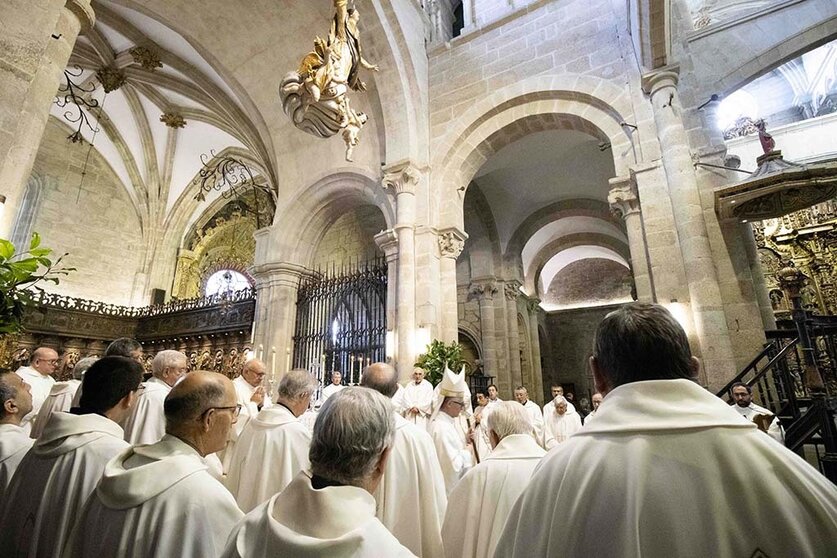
x=225, y=281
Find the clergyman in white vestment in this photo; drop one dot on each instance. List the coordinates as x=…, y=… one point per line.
x=147, y=423
x=597, y=401
x=482, y=441
x=417, y=399
x=160, y=500
x=42, y=365
x=333, y=387
x=561, y=423
x=329, y=511
x=667, y=468
x=454, y=447
x=481, y=501
x=61, y=395
x=252, y=397
x=411, y=496
x=742, y=396
x=15, y=403
x=273, y=447
x=59, y=473
x=521, y=395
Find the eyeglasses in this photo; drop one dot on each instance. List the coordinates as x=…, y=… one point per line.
x=53, y=361
x=460, y=403
x=236, y=410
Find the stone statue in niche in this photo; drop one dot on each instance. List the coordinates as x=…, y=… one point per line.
x=316, y=95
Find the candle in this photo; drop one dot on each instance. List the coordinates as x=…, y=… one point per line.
x=287, y=359
x=273, y=363
x=260, y=354
x=351, y=368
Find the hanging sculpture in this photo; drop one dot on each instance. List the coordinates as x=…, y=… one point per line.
x=315, y=96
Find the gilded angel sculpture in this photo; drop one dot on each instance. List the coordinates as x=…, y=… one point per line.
x=315, y=96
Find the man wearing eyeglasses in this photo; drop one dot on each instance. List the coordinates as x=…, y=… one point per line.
x=453, y=447
x=161, y=500
x=147, y=423
x=42, y=365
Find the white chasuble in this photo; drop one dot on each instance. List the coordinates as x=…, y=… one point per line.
x=155, y=501
x=668, y=469
x=411, y=497
x=536, y=416
x=330, y=390
x=481, y=501
x=558, y=428
x=14, y=443
x=455, y=457
x=147, y=422
x=271, y=450
x=420, y=397
x=39, y=386
x=301, y=522
x=59, y=400
x=53, y=482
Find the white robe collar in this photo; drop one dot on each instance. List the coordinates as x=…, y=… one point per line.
x=271, y=417
x=516, y=446
x=66, y=432
x=156, y=384
x=656, y=405
x=171, y=461
x=13, y=439
x=60, y=388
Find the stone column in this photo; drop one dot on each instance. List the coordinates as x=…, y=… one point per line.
x=387, y=241
x=511, y=289
x=533, y=306
x=451, y=243
x=39, y=36
x=704, y=292
x=625, y=203
x=401, y=180
x=484, y=291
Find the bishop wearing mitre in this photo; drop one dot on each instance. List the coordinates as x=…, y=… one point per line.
x=454, y=444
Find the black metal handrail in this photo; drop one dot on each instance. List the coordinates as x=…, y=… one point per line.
x=752, y=366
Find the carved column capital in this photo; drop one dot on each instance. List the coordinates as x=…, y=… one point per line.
x=387, y=241
x=512, y=289
x=533, y=304
x=483, y=289
x=660, y=79
x=451, y=242
x=401, y=177
x=622, y=197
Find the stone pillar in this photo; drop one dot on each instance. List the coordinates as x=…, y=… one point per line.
x=625, y=203
x=704, y=292
x=533, y=306
x=469, y=17
x=451, y=243
x=400, y=180
x=484, y=290
x=39, y=36
x=511, y=289
x=387, y=241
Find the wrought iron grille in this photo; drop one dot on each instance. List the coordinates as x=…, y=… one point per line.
x=341, y=320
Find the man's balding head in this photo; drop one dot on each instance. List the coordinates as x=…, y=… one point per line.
x=201, y=409
x=44, y=360
x=253, y=372
x=381, y=377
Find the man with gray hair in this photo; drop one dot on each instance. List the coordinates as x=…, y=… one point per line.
x=160, y=500
x=15, y=403
x=329, y=510
x=667, y=468
x=411, y=496
x=147, y=423
x=273, y=447
x=62, y=395
x=481, y=501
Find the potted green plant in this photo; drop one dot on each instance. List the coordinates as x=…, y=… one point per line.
x=437, y=356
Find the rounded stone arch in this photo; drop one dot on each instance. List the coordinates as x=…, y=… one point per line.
x=306, y=217
x=466, y=331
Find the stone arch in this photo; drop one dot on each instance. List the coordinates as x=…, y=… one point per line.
x=468, y=332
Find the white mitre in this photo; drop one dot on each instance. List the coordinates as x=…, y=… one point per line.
x=452, y=385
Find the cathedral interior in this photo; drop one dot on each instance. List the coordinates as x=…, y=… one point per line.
x=507, y=173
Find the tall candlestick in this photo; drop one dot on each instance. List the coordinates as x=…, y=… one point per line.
x=287, y=359
x=260, y=354
x=273, y=363
x=351, y=368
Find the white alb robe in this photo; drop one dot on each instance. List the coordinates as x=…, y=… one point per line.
x=53, y=482
x=455, y=457
x=482, y=500
x=308, y=418
x=671, y=470
x=775, y=429
x=39, y=388
x=411, y=497
x=330, y=390
x=557, y=428
x=333, y=522
x=244, y=392
x=536, y=416
x=420, y=396
x=270, y=452
x=590, y=416
x=147, y=423
x=59, y=400
x=482, y=441
x=14, y=443
x=155, y=501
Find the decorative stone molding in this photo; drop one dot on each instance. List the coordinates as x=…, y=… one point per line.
x=451, y=243
x=512, y=289
x=83, y=11
x=667, y=76
x=111, y=78
x=483, y=289
x=622, y=197
x=401, y=177
x=387, y=241
x=146, y=57
x=172, y=120
x=533, y=304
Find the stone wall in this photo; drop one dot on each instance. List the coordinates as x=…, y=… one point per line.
x=350, y=238
x=98, y=228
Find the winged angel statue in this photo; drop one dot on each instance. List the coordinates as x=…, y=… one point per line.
x=315, y=96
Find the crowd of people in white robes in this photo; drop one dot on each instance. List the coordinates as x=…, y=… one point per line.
x=194, y=464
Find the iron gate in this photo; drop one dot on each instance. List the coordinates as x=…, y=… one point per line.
x=341, y=320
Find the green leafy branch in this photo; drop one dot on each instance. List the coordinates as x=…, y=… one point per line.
x=20, y=276
x=437, y=356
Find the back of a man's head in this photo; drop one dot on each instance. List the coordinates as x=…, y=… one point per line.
x=107, y=382
x=124, y=346
x=507, y=418
x=83, y=366
x=381, y=377
x=167, y=358
x=642, y=341
x=353, y=429
x=191, y=397
x=296, y=384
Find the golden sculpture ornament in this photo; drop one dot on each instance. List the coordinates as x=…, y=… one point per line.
x=315, y=96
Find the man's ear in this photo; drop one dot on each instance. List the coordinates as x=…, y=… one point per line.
x=207, y=420
x=600, y=380
x=694, y=368
x=10, y=407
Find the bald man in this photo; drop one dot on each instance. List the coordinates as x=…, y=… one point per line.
x=252, y=395
x=160, y=500
x=42, y=365
x=15, y=403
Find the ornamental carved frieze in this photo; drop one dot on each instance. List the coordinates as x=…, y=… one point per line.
x=146, y=57
x=743, y=126
x=111, y=78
